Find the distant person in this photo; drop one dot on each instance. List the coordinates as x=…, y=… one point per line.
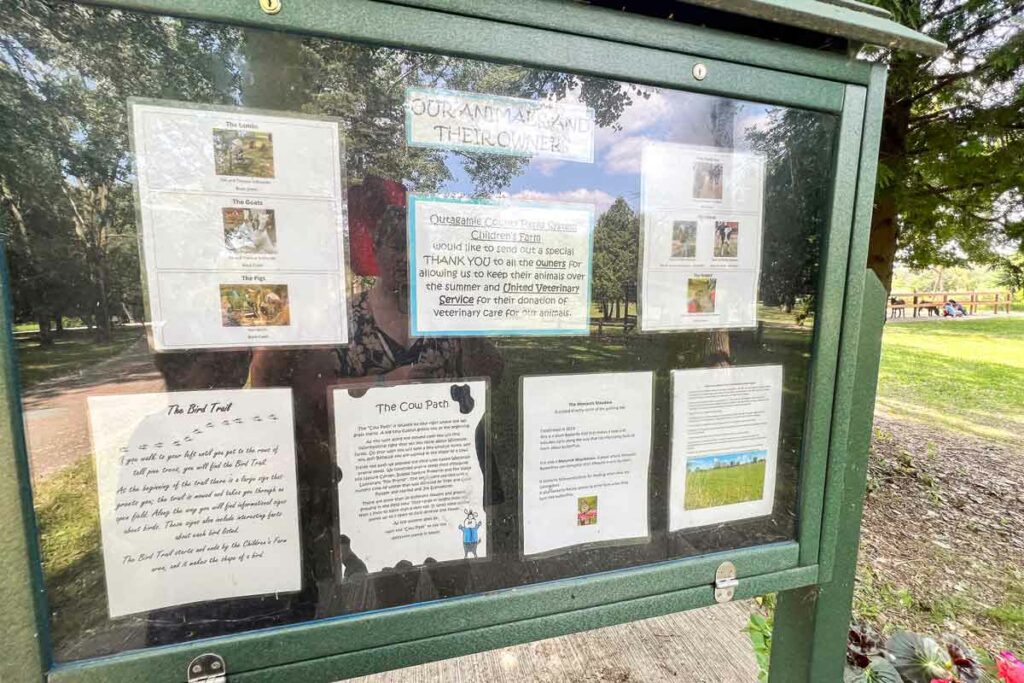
x=950, y=310
x=959, y=307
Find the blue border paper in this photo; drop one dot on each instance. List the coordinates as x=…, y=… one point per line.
x=414, y=329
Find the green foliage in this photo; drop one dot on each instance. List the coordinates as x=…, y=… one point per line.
x=616, y=253
x=67, y=71
x=759, y=631
x=878, y=670
x=950, y=178
x=798, y=149
x=919, y=659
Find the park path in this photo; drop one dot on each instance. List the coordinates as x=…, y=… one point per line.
x=56, y=418
x=701, y=646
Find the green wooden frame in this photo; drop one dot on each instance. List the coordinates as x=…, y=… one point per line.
x=599, y=42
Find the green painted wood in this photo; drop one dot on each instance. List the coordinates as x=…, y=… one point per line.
x=832, y=19
x=419, y=29
x=811, y=623
x=378, y=630
x=22, y=628
x=836, y=489
x=457, y=644
x=827, y=325
x=602, y=22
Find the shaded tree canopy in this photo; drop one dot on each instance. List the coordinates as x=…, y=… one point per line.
x=950, y=174
x=68, y=70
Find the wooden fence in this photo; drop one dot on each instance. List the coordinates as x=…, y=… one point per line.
x=931, y=303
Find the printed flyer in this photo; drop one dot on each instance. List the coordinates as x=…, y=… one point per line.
x=725, y=440
x=499, y=267
x=412, y=485
x=242, y=227
x=586, y=458
x=702, y=231
x=197, y=496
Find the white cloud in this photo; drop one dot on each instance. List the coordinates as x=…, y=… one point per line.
x=600, y=199
x=624, y=155
x=546, y=167
x=638, y=116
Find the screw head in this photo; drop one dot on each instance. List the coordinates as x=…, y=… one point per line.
x=270, y=6
x=699, y=71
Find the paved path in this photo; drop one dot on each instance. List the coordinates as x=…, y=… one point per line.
x=56, y=419
x=702, y=646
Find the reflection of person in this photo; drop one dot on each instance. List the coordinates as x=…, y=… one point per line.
x=379, y=346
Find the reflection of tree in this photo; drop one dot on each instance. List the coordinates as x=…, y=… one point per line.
x=798, y=149
x=616, y=249
x=66, y=172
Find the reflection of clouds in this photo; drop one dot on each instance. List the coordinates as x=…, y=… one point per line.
x=546, y=167
x=600, y=199
x=624, y=155
x=643, y=113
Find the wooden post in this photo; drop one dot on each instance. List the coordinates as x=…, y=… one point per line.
x=915, y=303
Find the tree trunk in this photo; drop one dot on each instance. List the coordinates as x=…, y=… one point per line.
x=103, y=331
x=892, y=155
x=58, y=323
x=883, y=240
x=45, y=336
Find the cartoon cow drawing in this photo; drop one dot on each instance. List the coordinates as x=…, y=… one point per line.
x=470, y=529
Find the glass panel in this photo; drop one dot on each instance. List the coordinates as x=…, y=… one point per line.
x=72, y=242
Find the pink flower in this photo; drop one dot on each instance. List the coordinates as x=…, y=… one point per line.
x=1009, y=668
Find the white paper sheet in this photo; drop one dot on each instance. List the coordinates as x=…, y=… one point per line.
x=725, y=441
x=197, y=496
x=483, y=267
x=412, y=483
x=702, y=237
x=446, y=119
x=242, y=227
x=586, y=457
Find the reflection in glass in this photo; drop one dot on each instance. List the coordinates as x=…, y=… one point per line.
x=66, y=178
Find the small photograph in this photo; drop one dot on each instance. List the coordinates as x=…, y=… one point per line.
x=254, y=305
x=250, y=231
x=716, y=480
x=727, y=239
x=586, y=510
x=707, y=180
x=700, y=295
x=684, y=239
x=243, y=153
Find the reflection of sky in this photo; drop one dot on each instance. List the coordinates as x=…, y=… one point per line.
x=665, y=115
x=710, y=461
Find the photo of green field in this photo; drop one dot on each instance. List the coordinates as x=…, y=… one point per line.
x=717, y=480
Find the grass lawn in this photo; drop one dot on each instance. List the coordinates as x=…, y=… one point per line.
x=724, y=486
x=966, y=375
x=73, y=351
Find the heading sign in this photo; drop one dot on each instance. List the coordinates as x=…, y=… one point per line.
x=446, y=119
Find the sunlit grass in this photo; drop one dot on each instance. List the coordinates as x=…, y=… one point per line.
x=966, y=375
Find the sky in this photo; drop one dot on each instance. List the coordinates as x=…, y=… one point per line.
x=665, y=115
x=709, y=461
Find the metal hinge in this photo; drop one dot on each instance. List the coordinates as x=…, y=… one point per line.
x=208, y=668
x=725, y=582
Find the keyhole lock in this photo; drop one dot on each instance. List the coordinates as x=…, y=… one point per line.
x=699, y=71
x=270, y=6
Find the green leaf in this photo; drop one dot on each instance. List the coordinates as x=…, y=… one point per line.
x=919, y=659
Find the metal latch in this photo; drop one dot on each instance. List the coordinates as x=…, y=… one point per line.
x=208, y=668
x=725, y=582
